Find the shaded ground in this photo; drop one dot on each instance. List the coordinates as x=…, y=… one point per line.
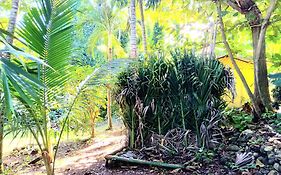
x=86, y=157
x=72, y=156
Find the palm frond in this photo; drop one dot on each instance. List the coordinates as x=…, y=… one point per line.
x=47, y=30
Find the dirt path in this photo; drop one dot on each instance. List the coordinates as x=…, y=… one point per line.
x=92, y=154
x=84, y=157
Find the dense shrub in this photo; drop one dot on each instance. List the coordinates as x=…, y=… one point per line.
x=179, y=91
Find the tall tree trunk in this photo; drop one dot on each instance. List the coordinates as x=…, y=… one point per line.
x=12, y=21
x=144, y=42
x=109, y=57
x=133, y=37
x=254, y=18
x=11, y=30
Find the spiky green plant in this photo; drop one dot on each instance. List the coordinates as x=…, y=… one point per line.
x=183, y=91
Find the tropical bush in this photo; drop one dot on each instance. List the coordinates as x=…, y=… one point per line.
x=176, y=91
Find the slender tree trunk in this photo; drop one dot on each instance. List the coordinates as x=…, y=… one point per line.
x=144, y=42
x=109, y=112
x=244, y=82
x=48, y=162
x=12, y=21
x=133, y=38
x=49, y=146
x=109, y=57
x=92, y=118
x=254, y=18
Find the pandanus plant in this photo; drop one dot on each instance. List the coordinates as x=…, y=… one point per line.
x=182, y=91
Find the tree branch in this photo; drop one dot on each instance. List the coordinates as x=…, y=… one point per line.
x=264, y=26
x=234, y=5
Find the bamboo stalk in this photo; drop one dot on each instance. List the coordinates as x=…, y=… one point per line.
x=145, y=162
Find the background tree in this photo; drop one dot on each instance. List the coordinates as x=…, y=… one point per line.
x=258, y=26
x=133, y=30
x=107, y=17
x=143, y=26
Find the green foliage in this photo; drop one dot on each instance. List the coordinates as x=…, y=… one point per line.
x=274, y=119
x=205, y=156
x=157, y=37
x=276, y=79
x=16, y=81
x=152, y=3
x=165, y=93
x=277, y=93
x=238, y=119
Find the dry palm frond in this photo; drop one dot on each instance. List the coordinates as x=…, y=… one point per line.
x=243, y=159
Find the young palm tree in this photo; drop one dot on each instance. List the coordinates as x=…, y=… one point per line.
x=47, y=31
x=107, y=18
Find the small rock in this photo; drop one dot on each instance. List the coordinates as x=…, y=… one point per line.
x=233, y=148
x=262, y=159
x=259, y=163
x=273, y=172
x=277, y=151
x=256, y=155
x=268, y=148
x=248, y=132
x=277, y=142
x=262, y=149
x=270, y=161
x=255, y=148
x=277, y=167
x=278, y=156
x=272, y=139
x=264, y=171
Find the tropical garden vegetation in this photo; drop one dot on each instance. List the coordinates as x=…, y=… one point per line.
x=144, y=77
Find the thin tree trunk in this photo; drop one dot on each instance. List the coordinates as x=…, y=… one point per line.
x=144, y=42
x=109, y=57
x=250, y=94
x=49, y=145
x=254, y=18
x=133, y=38
x=47, y=161
x=260, y=57
x=109, y=113
x=12, y=21
x=92, y=118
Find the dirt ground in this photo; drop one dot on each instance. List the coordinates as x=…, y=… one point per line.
x=85, y=157
x=82, y=157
